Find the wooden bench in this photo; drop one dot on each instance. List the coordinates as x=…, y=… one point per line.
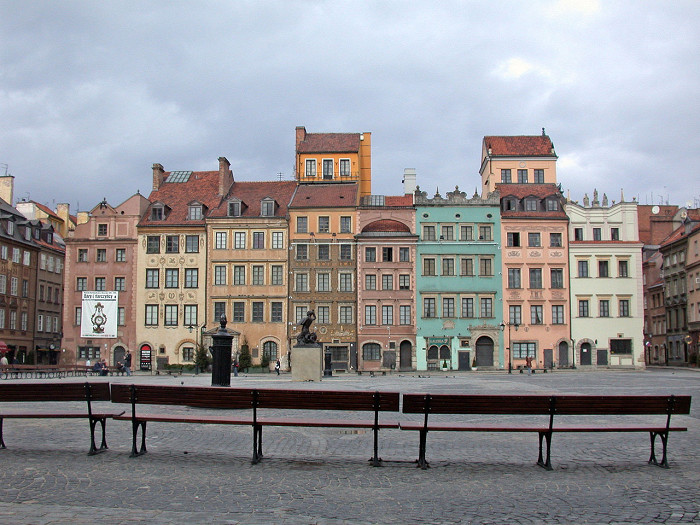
x=546, y=407
x=254, y=400
x=31, y=371
x=50, y=393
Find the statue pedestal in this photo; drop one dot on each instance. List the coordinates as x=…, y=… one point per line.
x=307, y=363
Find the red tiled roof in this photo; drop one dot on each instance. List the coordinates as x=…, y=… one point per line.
x=398, y=201
x=520, y=191
x=520, y=146
x=677, y=234
x=48, y=211
x=330, y=143
x=252, y=194
x=386, y=225
x=317, y=195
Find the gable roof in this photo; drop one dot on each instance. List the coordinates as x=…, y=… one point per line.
x=329, y=143
x=252, y=194
x=520, y=146
x=319, y=195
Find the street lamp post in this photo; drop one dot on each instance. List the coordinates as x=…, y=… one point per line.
x=510, y=353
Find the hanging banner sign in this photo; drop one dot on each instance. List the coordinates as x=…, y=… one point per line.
x=99, y=315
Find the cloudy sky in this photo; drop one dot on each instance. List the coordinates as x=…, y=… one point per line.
x=93, y=93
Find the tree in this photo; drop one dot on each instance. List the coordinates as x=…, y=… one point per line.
x=202, y=359
x=245, y=360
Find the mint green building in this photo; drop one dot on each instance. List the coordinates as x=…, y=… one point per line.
x=458, y=282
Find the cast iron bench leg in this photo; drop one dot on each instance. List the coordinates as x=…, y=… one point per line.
x=2, y=441
x=135, y=430
x=93, y=448
x=652, y=457
x=375, y=460
x=664, y=442
x=257, y=444
x=422, y=463
x=545, y=464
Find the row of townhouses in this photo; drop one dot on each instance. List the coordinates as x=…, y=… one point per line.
x=407, y=282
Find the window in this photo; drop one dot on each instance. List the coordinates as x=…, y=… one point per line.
x=370, y=314
x=346, y=316
x=324, y=252
x=194, y=212
x=603, y=269
x=387, y=315
x=276, y=278
x=486, y=307
x=557, y=314
x=448, y=266
x=370, y=282
x=539, y=176
x=485, y=267
x=515, y=314
x=82, y=255
x=187, y=353
x=258, y=312
x=267, y=208
x=468, y=307
x=152, y=277
x=190, y=315
x=404, y=255
x=583, y=308
x=301, y=281
x=277, y=240
x=239, y=240
x=485, y=233
x=583, y=268
x=191, y=277
x=387, y=282
x=234, y=209
x=27, y=259
x=16, y=255
x=429, y=307
x=120, y=255
x=324, y=224
x=466, y=266
x=346, y=225
x=578, y=234
x=534, y=239
x=276, y=312
x=524, y=350
x=530, y=205
x=258, y=240
x=623, y=268
x=604, y=308
x=615, y=234
x=170, y=315
x=428, y=233
x=447, y=233
x=405, y=314
x=345, y=252
x=345, y=282
x=258, y=275
x=302, y=252
x=535, y=277
x=239, y=312
x=522, y=176
x=557, y=275
x=302, y=225
x=620, y=346
x=310, y=167
x=597, y=236
x=514, y=278
x=172, y=277
x=220, y=275
x=3, y=284
x=370, y=254
x=404, y=282
x=191, y=243
x=151, y=315
x=219, y=309
x=429, y=266
x=172, y=244
x=387, y=254
x=14, y=285
x=505, y=177
x=157, y=213
x=220, y=240
x=513, y=238
x=2, y=318
x=153, y=244
x=13, y=318
x=328, y=169
x=552, y=205
x=536, y=316
x=323, y=282
x=100, y=284
x=40, y=323
x=238, y=275
x=25, y=287
x=624, y=308
x=467, y=233
x=3, y=252
x=120, y=284
x=448, y=307
x=371, y=352
x=555, y=240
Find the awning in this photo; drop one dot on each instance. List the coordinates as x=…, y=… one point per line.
x=3, y=347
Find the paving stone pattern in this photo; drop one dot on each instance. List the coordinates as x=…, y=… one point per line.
x=203, y=474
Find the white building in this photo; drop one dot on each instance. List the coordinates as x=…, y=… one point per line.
x=605, y=258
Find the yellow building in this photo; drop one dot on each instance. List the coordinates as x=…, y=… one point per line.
x=339, y=157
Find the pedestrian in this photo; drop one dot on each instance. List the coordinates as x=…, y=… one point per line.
x=104, y=370
x=88, y=363
x=277, y=367
x=528, y=364
x=127, y=363
x=235, y=368
x=3, y=360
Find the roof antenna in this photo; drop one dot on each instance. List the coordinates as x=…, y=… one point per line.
x=543, y=133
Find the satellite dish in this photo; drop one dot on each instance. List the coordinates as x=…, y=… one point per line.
x=655, y=209
x=688, y=204
x=684, y=214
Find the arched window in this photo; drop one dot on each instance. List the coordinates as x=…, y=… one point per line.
x=270, y=350
x=371, y=352
x=433, y=352
x=444, y=352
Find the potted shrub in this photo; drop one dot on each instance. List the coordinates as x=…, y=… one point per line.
x=245, y=361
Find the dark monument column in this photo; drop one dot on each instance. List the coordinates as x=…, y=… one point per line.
x=221, y=353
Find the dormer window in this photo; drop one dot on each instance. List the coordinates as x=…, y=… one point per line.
x=267, y=207
x=37, y=233
x=10, y=227
x=194, y=212
x=49, y=238
x=235, y=207
x=28, y=234
x=157, y=213
x=530, y=204
x=552, y=205
x=509, y=204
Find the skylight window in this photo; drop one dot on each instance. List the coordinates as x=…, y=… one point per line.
x=179, y=176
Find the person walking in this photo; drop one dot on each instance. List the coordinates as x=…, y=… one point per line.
x=127, y=363
x=528, y=364
x=277, y=366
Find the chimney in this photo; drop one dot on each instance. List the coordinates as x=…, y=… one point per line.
x=225, y=176
x=63, y=211
x=301, y=136
x=7, y=189
x=409, y=181
x=158, y=174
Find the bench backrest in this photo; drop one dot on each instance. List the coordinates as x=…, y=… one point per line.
x=351, y=400
x=194, y=396
x=26, y=392
x=629, y=405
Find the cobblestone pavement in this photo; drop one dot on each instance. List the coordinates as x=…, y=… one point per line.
x=202, y=473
